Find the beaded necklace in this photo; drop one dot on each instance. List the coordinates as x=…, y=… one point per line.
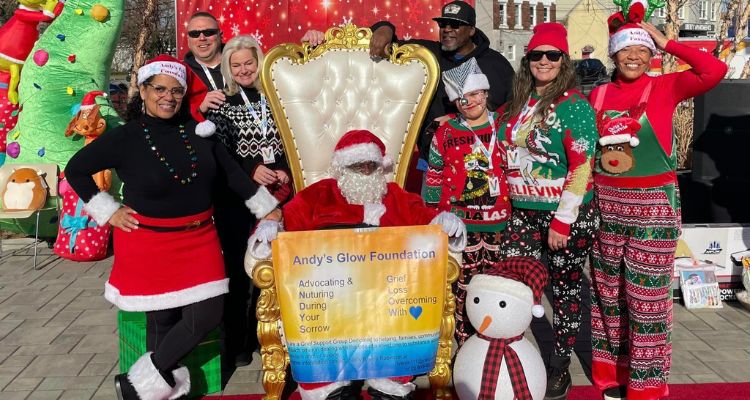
x=188, y=146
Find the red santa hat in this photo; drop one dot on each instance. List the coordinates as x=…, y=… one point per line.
x=550, y=33
x=515, y=276
x=195, y=89
x=624, y=30
x=619, y=130
x=89, y=99
x=359, y=146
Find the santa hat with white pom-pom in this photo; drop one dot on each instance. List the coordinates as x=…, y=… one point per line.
x=515, y=276
x=195, y=89
x=360, y=146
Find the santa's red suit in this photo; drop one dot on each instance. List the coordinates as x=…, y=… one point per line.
x=323, y=206
x=18, y=35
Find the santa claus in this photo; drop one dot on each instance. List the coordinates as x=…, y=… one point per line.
x=357, y=195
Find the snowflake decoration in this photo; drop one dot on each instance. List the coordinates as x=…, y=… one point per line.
x=345, y=21
x=580, y=146
x=258, y=37
x=235, y=29
x=407, y=37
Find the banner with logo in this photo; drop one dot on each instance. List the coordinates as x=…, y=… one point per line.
x=281, y=21
x=361, y=303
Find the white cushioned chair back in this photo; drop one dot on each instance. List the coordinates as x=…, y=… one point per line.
x=343, y=89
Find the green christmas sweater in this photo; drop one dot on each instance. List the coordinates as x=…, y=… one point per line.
x=550, y=159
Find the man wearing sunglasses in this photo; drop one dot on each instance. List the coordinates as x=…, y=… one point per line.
x=460, y=40
x=204, y=57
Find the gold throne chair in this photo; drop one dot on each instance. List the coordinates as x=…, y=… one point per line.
x=316, y=95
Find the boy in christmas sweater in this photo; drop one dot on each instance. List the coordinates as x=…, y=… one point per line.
x=466, y=177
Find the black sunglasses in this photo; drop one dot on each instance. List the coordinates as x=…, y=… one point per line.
x=206, y=32
x=453, y=24
x=552, y=55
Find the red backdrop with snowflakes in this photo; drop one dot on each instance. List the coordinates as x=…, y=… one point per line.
x=282, y=21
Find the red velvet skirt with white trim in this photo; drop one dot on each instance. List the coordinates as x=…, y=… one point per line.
x=158, y=269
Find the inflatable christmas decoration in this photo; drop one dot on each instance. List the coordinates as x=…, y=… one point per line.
x=17, y=37
x=498, y=362
x=79, y=237
x=90, y=124
x=642, y=8
x=71, y=58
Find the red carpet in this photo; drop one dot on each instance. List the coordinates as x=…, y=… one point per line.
x=706, y=391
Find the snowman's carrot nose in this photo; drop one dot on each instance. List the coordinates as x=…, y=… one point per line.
x=486, y=323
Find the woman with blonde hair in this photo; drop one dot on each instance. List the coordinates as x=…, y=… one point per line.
x=245, y=126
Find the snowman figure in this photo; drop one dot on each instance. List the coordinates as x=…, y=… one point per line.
x=498, y=363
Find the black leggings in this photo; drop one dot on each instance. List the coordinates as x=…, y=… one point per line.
x=171, y=334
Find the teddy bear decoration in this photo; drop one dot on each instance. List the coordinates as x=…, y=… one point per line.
x=617, y=140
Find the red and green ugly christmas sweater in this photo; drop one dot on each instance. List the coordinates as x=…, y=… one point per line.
x=556, y=157
x=458, y=176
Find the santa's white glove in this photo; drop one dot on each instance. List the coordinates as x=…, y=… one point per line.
x=259, y=244
x=454, y=228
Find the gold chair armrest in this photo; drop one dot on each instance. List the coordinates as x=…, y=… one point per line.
x=274, y=355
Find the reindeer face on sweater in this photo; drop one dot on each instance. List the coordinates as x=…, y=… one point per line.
x=617, y=158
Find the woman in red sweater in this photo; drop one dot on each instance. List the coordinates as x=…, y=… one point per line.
x=637, y=194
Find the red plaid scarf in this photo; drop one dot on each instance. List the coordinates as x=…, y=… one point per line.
x=500, y=348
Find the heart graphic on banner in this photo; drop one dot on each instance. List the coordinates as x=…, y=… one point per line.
x=415, y=311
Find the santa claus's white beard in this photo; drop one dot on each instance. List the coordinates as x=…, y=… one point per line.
x=359, y=188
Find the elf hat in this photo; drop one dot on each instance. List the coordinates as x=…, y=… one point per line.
x=89, y=99
x=463, y=79
x=195, y=89
x=552, y=34
x=359, y=146
x=515, y=276
x=619, y=130
x=625, y=31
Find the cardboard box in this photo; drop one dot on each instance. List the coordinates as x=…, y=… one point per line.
x=716, y=243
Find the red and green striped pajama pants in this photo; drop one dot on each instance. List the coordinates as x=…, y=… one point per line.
x=631, y=301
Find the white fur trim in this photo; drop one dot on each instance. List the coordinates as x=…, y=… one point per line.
x=391, y=387
x=537, y=311
x=182, y=383
x=174, y=69
x=356, y=154
x=205, y=129
x=261, y=203
x=322, y=392
x=373, y=212
x=166, y=300
x=48, y=13
x=503, y=285
x=630, y=37
x=147, y=380
x=101, y=207
x=615, y=139
x=634, y=141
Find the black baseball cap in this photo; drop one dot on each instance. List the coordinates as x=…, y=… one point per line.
x=458, y=11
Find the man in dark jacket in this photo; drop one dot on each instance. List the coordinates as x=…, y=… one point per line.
x=204, y=57
x=460, y=40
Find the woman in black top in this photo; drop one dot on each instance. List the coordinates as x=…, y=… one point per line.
x=247, y=129
x=167, y=256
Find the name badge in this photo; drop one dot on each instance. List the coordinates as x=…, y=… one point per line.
x=268, y=157
x=514, y=161
x=494, y=186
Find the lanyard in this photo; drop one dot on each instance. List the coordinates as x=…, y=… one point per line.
x=523, y=118
x=264, y=120
x=210, y=78
x=478, y=142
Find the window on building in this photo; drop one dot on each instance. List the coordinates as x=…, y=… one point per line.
x=660, y=13
x=546, y=14
x=510, y=55
x=517, y=15
x=681, y=13
x=703, y=10
x=532, y=16
x=712, y=10
x=503, y=17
